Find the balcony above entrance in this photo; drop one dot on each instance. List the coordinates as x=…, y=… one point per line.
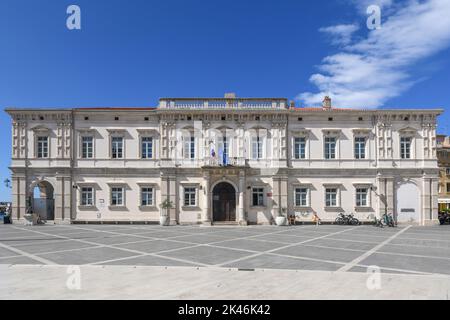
x=230, y=101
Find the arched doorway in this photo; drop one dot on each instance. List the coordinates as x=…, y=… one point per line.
x=42, y=200
x=224, y=202
x=408, y=203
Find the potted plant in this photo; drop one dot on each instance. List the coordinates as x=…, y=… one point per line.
x=164, y=218
x=281, y=220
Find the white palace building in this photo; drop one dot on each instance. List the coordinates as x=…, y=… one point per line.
x=223, y=161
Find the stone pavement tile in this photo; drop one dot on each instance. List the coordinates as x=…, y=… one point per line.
x=154, y=246
x=109, y=239
x=424, y=236
x=247, y=244
x=61, y=245
x=320, y=253
x=202, y=238
x=286, y=239
x=206, y=255
x=420, y=251
x=342, y=244
x=29, y=240
x=85, y=256
x=163, y=234
x=238, y=233
x=363, y=238
x=422, y=264
x=269, y=261
x=19, y=260
x=7, y=253
x=360, y=269
x=426, y=243
x=150, y=261
x=133, y=231
x=306, y=233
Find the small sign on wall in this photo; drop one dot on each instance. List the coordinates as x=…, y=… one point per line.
x=269, y=194
x=102, y=203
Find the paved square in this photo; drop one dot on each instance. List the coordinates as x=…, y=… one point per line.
x=333, y=248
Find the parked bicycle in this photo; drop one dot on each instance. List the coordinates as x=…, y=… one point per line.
x=387, y=220
x=349, y=219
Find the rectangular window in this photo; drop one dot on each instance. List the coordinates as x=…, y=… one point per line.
x=87, y=196
x=448, y=187
x=117, y=147
x=301, y=197
x=331, y=197
x=447, y=171
x=117, y=196
x=87, y=147
x=147, y=196
x=189, y=197
x=299, y=148
x=257, y=147
x=147, y=147
x=360, y=148
x=405, y=147
x=361, y=197
x=189, y=147
x=258, y=197
x=42, y=147
x=330, y=148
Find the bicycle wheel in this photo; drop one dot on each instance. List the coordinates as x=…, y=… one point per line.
x=354, y=222
x=339, y=221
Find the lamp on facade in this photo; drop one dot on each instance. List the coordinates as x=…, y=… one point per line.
x=7, y=183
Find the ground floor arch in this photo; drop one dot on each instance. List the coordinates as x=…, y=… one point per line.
x=408, y=204
x=42, y=199
x=224, y=202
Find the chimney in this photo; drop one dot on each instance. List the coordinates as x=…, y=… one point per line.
x=326, y=104
x=292, y=104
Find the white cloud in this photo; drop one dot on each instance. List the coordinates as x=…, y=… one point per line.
x=368, y=72
x=341, y=34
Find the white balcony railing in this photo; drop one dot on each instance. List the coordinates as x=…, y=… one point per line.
x=223, y=103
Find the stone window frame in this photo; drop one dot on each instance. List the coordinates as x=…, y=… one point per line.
x=362, y=133
x=338, y=188
x=301, y=134
x=332, y=133
x=122, y=185
x=148, y=186
x=80, y=192
x=264, y=196
x=42, y=132
x=195, y=186
x=308, y=195
x=82, y=134
x=146, y=133
x=369, y=187
x=407, y=133
x=119, y=133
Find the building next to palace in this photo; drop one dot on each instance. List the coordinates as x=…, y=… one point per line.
x=443, y=155
x=224, y=160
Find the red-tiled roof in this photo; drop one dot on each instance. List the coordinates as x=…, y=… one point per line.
x=117, y=108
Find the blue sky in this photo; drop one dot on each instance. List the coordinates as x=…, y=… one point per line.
x=130, y=53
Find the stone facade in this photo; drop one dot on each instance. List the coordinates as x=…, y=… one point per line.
x=229, y=160
x=443, y=154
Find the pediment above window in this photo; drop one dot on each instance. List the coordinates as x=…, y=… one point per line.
x=301, y=132
x=41, y=129
x=149, y=132
x=408, y=131
x=332, y=132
